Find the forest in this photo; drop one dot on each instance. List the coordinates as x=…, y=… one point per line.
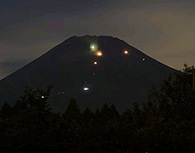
x=165, y=123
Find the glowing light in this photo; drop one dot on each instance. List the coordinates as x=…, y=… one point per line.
x=99, y=53
x=93, y=47
x=42, y=97
x=143, y=59
x=60, y=92
x=95, y=63
x=126, y=52
x=85, y=88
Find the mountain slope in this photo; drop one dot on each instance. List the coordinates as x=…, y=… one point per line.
x=76, y=70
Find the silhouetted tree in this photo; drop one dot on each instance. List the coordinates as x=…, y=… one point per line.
x=164, y=124
x=108, y=114
x=6, y=111
x=30, y=121
x=175, y=99
x=88, y=117
x=73, y=123
x=170, y=115
x=72, y=114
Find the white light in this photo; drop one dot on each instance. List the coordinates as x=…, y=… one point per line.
x=95, y=63
x=143, y=59
x=126, y=52
x=85, y=88
x=42, y=97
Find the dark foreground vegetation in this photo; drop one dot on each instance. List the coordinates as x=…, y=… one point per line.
x=166, y=123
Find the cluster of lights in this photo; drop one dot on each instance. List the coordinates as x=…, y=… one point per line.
x=95, y=51
x=98, y=53
x=60, y=92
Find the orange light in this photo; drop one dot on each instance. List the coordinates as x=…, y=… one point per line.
x=99, y=53
x=126, y=52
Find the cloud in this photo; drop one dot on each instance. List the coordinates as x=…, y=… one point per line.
x=162, y=29
x=176, y=38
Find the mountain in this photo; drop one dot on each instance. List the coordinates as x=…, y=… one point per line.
x=91, y=69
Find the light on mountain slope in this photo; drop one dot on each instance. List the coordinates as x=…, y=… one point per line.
x=126, y=52
x=86, y=88
x=93, y=47
x=99, y=53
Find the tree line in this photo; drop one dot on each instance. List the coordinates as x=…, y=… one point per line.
x=166, y=123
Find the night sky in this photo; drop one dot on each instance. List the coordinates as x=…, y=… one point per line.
x=164, y=29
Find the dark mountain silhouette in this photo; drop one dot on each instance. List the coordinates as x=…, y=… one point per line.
x=117, y=77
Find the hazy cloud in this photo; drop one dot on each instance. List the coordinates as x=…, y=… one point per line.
x=161, y=29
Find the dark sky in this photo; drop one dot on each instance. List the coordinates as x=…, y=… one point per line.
x=164, y=29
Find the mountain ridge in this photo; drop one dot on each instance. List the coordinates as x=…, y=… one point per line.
x=69, y=67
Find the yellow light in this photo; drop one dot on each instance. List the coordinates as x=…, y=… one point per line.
x=99, y=53
x=126, y=52
x=95, y=63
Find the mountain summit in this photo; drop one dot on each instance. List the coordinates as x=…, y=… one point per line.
x=91, y=69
